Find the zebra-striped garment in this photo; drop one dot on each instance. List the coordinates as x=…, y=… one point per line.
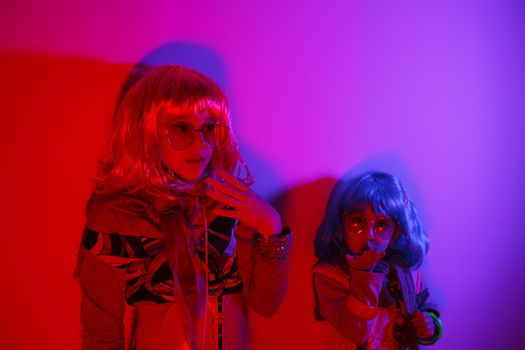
x=144, y=259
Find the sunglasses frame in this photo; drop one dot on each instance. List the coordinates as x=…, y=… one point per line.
x=344, y=215
x=193, y=137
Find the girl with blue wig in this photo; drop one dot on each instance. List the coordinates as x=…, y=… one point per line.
x=367, y=281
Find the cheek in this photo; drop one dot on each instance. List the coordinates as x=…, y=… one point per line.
x=174, y=160
x=171, y=158
x=382, y=245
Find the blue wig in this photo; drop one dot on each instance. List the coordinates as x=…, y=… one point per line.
x=386, y=195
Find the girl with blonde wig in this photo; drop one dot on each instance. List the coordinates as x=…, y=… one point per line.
x=177, y=247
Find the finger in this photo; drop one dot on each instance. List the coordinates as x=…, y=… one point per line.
x=349, y=258
x=378, y=256
x=423, y=324
x=366, y=254
x=423, y=317
x=420, y=326
x=371, y=256
x=232, y=180
x=359, y=262
x=417, y=319
x=424, y=332
x=234, y=214
x=232, y=192
x=429, y=322
x=224, y=199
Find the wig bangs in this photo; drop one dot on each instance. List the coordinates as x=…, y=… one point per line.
x=383, y=197
x=183, y=92
x=170, y=110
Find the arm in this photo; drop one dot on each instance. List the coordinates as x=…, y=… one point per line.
x=265, y=278
x=106, y=320
x=102, y=303
x=426, y=318
x=264, y=274
x=103, y=262
x=349, y=304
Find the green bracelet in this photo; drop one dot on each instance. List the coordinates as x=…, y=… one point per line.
x=438, y=330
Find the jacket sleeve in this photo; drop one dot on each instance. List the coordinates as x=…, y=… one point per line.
x=335, y=292
x=106, y=319
x=102, y=303
x=424, y=300
x=265, y=281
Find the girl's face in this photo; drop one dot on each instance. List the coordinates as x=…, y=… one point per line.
x=187, y=145
x=366, y=230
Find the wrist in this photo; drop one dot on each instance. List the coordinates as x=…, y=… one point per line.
x=273, y=228
x=268, y=231
x=275, y=247
x=438, y=329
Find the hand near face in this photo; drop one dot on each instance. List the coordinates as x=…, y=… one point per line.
x=365, y=261
x=424, y=325
x=247, y=206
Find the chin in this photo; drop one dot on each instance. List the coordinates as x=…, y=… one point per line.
x=194, y=176
x=191, y=177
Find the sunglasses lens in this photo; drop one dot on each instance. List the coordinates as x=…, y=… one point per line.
x=355, y=222
x=381, y=225
x=181, y=135
x=358, y=222
x=215, y=134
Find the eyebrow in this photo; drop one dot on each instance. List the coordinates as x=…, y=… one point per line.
x=177, y=117
x=185, y=118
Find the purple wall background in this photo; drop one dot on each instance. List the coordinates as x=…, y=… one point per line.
x=432, y=92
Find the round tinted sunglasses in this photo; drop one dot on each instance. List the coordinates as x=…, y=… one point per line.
x=182, y=135
x=357, y=222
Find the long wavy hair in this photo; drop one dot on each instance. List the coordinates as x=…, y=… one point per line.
x=386, y=195
x=149, y=97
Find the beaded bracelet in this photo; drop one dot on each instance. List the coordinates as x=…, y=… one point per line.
x=275, y=248
x=438, y=330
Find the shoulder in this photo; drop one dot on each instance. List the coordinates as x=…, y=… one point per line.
x=121, y=213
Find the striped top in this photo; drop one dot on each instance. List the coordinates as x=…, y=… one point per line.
x=147, y=267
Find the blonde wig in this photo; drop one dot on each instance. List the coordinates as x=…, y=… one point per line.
x=147, y=101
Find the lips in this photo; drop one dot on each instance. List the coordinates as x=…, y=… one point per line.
x=198, y=160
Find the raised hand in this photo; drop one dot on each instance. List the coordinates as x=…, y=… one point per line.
x=424, y=324
x=247, y=206
x=364, y=262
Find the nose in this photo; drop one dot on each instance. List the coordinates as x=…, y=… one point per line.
x=200, y=141
x=369, y=232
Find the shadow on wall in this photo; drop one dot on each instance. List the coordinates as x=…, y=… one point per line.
x=190, y=55
x=293, y=327
x=57, y=112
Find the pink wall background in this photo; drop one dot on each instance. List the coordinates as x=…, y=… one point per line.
x=431, y=92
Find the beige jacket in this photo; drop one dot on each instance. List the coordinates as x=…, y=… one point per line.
x=150, y=325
